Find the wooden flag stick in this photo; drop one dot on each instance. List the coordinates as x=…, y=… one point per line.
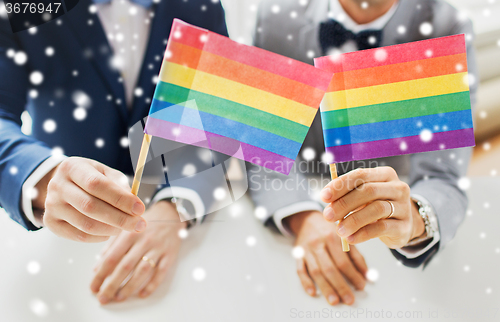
x=140, y=163
x=333, y=174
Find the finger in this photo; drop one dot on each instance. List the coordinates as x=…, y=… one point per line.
x=117, y=177
x=358, y=260
x=109, y=262
x=126, y=266
x=141, y=273
x=374, y=211
x=333, y=276
x=316, y=274
x=87, y=224
x=340, y=186
x=66, y=230
x=345, y=265
x=98, y=185
x=385, y=227
x=102, y=211
x=305, y=279
x=360, y=196
x=103, y=252
x=158, y=276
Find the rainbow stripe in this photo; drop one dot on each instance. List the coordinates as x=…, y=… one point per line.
x=397, y=100
x=235, y=99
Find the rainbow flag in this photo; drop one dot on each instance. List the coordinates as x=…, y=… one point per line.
x=235, y=99
x=397, y=100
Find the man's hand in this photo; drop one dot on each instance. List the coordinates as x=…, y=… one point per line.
x=366, y=193
x=324, y=262
x=146, y=257
x=87, y=201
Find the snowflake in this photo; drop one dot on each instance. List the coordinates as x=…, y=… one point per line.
x=327, y=157
x=372, y=40
x=486, y=146
x=81, y=98
x=293, y=15
x=33, y=267
x=260, y=212
x=33, y=93
x=275, y=9
x=36, y=77
x=38, y=307
x=380, y=55
x=199, y=274
x=401, y=30
x=183, y=233
x=20, y=58
x=466, y=268
x=464, y=183
x=57, y=151
x=79, y=113
x=251, y=241
x=75, y=73
x=308, y=154
x=188, y=170
x=310, y=54
x=372, y=275
x=364, y=5
x=33, y=30
x=426, y=135
x=132, y=11
x=13, y=170
x=138, y=92
x=92, y=8
x=469, y=79
x=403, y=146
x=124, y=142
x=99, y=143
x=482, y=235
x=426, y=28
x=219, y=193
x=298, y=252
x=49, y=125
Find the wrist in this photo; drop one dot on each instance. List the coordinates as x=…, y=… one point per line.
x=418, y=222
x=164, y=211
x=41, y=188
x=296, y=221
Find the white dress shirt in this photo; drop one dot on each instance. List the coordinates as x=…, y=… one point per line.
x=338, y=13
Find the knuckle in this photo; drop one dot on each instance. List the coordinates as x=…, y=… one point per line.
x=328, y=271
x=404, y=188
x=353, y=222
x=93, y=182
x=65, y=166
x=119, y=201
x=111, y=261
x=361, y=173
x=82, y=237
x=381, y=207
x=87, y=205
x=145, y=268
x=88, y=226
x=341, y=204
x=370, y=189
x=122, y=221
x=391, y=172
x=315, y=272
x=127, y=267
x=342, y=265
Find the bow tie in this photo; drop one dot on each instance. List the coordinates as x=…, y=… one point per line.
x=145, y=3
x=333, y=35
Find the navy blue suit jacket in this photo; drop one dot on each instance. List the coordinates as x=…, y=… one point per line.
x=81, y=47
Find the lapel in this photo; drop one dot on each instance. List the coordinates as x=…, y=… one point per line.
x=160, y=30
x=316, y=12
x=94, y=43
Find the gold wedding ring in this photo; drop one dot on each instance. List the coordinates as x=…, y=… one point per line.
x=392, y=209
x=149, y=260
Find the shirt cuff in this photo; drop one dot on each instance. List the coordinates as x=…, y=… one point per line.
x=415, y=251
x=293, y=209
x=30, y=183
x=177, y=195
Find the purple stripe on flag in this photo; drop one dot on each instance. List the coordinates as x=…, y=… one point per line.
x=405, y=145
x=215, y=142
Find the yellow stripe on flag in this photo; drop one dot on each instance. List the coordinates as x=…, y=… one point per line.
x=400, y=91
x=243, y=94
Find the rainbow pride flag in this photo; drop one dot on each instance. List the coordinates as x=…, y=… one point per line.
x=397, y=100
x=235, y=99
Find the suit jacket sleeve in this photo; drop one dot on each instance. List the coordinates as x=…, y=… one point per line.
x=19, y=154
x=435, y=175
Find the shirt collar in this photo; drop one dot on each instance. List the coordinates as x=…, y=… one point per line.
x=338, y=13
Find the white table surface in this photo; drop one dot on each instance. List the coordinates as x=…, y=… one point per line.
x=257, y=283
